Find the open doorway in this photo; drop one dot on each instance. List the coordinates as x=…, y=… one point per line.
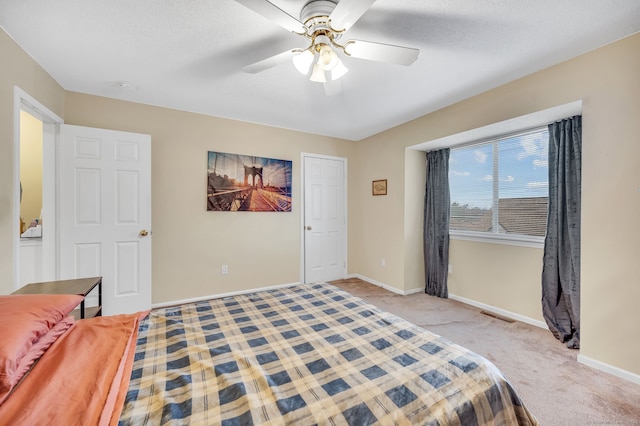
x=31, y=134
x=35, y=256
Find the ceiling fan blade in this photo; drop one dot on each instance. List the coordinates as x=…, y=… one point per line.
x=347, y=12
x=275, y=14
x=381, y=52
x=271, y=61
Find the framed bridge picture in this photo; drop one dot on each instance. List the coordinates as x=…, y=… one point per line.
x=246, y=183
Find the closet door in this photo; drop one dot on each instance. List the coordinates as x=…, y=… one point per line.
x=324, y=219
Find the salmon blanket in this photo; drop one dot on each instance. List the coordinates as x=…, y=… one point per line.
x=82, y=379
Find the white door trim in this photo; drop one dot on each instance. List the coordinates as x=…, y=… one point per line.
x=23, y=101
x=303, y=156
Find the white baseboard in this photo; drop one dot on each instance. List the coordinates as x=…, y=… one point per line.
x=386, y=286
x=471, y=302
x=499, y=311
x=218, y=296
x=615, y=371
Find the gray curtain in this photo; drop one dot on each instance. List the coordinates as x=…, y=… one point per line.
x=561, y=268
x=436, y=223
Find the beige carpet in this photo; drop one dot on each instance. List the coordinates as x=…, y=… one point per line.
x=554, y=386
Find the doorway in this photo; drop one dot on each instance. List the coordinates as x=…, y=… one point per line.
x=46, y=257
x=30, y=198
x=126, y=270
x=324, y=218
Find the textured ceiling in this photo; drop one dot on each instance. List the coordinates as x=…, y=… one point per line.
x=189, y=54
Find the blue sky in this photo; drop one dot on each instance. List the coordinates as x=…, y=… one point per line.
x=523, y=170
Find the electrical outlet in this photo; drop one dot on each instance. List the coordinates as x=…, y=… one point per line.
x=450, y=269
x=225, y=269
x=383, y=262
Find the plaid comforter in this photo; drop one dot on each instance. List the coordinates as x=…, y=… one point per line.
x=308, y=354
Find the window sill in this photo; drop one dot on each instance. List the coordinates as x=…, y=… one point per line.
x=505, y=239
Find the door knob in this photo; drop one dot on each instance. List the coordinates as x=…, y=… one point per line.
x=143, y=233
x=308, y=228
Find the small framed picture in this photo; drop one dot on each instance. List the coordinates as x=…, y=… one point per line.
x=379, y=187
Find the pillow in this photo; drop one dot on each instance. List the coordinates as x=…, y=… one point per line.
x=35, y=352
x=24, y=320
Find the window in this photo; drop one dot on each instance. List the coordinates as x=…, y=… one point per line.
x=499, y=188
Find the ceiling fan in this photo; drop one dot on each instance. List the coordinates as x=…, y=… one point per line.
x=324, y=23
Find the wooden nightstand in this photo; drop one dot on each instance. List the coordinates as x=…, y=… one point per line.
x=80, y=286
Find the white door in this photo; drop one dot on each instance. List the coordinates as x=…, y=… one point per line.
x=324, y=219
x=104, y=204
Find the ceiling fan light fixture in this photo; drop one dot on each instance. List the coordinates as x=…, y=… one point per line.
x=339, y=70
x=318, y=74
x=327, y=57
x=324, y=23
x=303, y=62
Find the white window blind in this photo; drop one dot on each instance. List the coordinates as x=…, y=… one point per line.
x=500, y=187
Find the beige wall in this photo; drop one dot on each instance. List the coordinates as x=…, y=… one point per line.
x=16, y=69
x=30, y=167
x=189, y=243
x=508, y=277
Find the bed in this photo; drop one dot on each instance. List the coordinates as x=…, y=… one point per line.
x=306, y=354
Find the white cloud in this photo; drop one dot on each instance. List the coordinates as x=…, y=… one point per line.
x=531, y=147
x=509, y=179
x=480, y=156
x=537, y=184
x=540, y=163
x=487, y=178
x=455, y=173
